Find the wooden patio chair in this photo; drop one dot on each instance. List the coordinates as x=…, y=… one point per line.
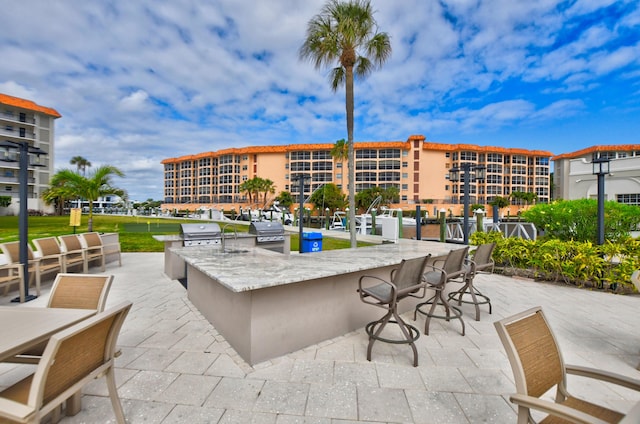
x=480, y=262
x=406, y=281
x=74, y=291
x=452, y=268
x=93, y=248
x=11, y=252
x=73, y=251
x=73, y=358
x=538, y=367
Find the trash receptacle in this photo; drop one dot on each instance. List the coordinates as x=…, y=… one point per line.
x=311, y=242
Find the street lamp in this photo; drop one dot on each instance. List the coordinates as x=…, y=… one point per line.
x=22, y=148
x=454, y=176
x=301, y=178
x=600, y=168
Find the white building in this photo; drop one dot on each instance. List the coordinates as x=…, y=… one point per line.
x=25, y=121
x=574, y=178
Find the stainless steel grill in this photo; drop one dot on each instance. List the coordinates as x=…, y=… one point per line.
x=200, y=234
x=267, y=232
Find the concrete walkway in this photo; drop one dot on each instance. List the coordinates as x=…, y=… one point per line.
x=175, y=367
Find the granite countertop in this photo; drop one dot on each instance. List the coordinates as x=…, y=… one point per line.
x=178, y=237
x=257, y=268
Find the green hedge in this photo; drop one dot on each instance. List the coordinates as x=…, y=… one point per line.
x=583, y=264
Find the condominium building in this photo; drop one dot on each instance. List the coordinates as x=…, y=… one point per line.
x=417, y=168
x=574, y=176
x=23, y=121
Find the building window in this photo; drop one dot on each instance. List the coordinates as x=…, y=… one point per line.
x=389, y=154
x=322, y=155
x=300, y=156
x=629, y=199
x=468, y=156
x=366, y=154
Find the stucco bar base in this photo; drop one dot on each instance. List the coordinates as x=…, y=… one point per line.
x=269, y=322
x=268, y=304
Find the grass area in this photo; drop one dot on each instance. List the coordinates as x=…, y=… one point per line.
x=136, y=233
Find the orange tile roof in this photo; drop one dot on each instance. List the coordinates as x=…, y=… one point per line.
x=27, y=104
x=484, y=149
x=405, y=145
x=594, y=149
x=284, y=149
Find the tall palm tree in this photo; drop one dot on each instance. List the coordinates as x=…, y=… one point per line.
x=91, y=187
x=345, y=33
x=340, y=152
x=80, y=163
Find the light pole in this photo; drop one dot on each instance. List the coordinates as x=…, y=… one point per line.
x=24, y=150
x=301, y=178
x=454, y=176
x=600, y=168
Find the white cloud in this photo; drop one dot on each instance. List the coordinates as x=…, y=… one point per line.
x=152, y=80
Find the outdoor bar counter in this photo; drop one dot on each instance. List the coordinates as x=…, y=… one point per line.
x=267, y=304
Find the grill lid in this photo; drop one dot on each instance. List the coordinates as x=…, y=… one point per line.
x=267, y=231
x=266, y=228
x=200, y=231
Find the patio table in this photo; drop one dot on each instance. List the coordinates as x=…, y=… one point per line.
x=25, y=327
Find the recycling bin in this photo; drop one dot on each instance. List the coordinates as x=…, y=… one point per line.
x=311, y=242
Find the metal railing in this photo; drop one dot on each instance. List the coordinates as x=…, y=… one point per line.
x=525, y=230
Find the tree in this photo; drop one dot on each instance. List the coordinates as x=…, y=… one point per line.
x=285, y=199
x=97, y=184
x=345, y=32
x=340, y=152
x=256, y=186
x=81, y=163
x=498, y=203
x=266, y=187
x=329, y=197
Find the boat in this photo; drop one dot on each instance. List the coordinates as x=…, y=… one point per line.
x=338, y=221
x=386, y=213
x=274, y=212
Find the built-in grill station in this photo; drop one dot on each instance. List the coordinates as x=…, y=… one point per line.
x=205, y=234
x=269, y=235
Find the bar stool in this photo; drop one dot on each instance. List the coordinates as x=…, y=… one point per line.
x=481, y=261
x=436, y=278
x=406, y=281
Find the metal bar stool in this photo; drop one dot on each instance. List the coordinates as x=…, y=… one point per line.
x=481, y=261
x=436, y=278
x=406, y=281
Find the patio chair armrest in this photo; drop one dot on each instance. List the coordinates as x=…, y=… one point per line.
x=555, y=409
x=609, y=377
x=12, y=409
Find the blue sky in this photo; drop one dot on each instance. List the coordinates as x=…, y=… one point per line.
x=140, y=81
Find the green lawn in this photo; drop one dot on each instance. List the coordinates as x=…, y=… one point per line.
x=136, y=233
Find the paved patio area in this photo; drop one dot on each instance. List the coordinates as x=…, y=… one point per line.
x=175, y=367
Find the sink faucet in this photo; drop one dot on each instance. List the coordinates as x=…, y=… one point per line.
x=235, y=234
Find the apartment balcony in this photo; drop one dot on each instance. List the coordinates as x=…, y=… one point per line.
x=15, y=118
x=16, y=134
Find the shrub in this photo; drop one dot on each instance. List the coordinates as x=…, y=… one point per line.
x=583, y=264
x=577, y=219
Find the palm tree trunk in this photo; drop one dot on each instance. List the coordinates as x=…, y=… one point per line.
x=351, y=157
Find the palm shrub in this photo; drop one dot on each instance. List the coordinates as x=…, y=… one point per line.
x=583, y=264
